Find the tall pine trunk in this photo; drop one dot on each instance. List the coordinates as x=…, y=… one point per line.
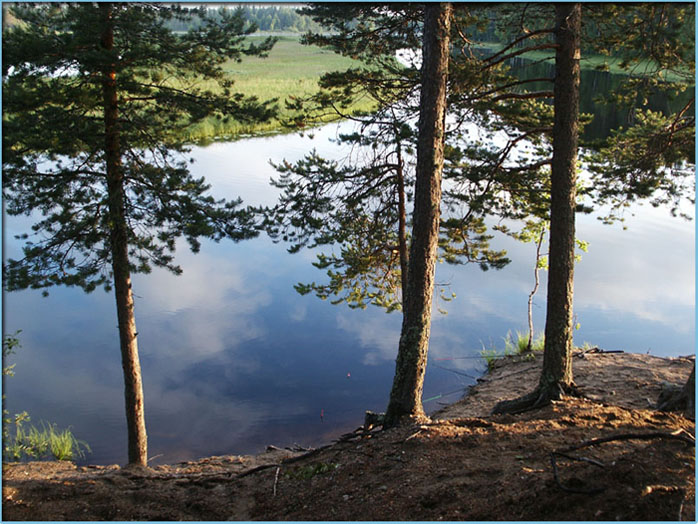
x=556, y=376
x=406, y=394
x=135, y=414
x=557, y=360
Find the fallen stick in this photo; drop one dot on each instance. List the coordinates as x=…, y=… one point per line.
x=276, y=479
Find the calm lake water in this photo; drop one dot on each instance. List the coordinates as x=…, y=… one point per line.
x=234, y=359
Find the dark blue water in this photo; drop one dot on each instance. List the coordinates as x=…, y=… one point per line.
x=234, y=359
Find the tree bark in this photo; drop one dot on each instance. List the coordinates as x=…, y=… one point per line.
x=135, y=414
x=556, y=376
x=557, y=360
x=406, y=394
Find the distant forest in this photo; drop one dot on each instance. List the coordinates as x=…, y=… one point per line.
x=266, y=17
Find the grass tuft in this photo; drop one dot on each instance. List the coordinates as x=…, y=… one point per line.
x=44, y=442
x=512, y=346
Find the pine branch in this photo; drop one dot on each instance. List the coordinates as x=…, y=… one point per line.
x=523, y=96
x=517, y=53
x=513, y=44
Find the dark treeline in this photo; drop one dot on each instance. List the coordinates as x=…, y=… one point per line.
x=594, y=85
x=496, y=28
x=264, y=17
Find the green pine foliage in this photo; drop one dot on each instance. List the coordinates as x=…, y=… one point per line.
x=356, y=203
x=487, y=173
x=54, y=140
x=653, y=157
x=352, y=207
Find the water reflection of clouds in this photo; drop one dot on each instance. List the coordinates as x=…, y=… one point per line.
x=377, y=332
x=211, y=307
x=299, y=313
x=647, y=270
x=243, y=169
x=187, y=424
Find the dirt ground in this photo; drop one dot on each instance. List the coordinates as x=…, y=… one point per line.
x=462, y=465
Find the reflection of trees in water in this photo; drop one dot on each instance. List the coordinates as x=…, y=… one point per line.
x=593, y=85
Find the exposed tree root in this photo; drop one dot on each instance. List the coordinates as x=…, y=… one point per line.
x=569, y=489
x=677, y=398
x=680, y=434
x=538, y=398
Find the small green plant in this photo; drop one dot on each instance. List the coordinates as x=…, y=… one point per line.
x=493, y=354
x=519, y=345
x=311, y=470
x=31, y=442
x=587, y=346
x=538, y=344
x=64, y=445
x=490, y=356
x=11, y=448
x=37, y=441
x=515, y=346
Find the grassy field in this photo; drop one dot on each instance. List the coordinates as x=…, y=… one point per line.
x=290, y=69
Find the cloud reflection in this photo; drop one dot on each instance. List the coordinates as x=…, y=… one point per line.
x=647, y=271
x=377, y=332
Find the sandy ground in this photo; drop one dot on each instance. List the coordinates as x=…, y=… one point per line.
x=463, y=465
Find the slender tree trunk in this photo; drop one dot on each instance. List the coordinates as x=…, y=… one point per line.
x=4, y=16
x=135, y=414
x=557, y=360
x=536, y=272
x=402, y=225
x=556, y=376
x=406, y=394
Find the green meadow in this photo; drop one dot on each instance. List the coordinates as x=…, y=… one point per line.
x=291, y=69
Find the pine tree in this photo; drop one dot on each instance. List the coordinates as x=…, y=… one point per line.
x=654, y=158
x=361, y=203
x=647, y=161
x=410, y=366
x=368, y=212
x=95, y=98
